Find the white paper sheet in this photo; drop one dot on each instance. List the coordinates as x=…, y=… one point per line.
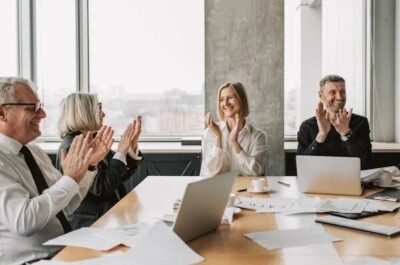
x=160, y=246
x=269, y=205
x=344, y=205
x=374, y=205
x=227, y=218
x=104, y=260
x=292, y=237
x=375, y=261
x=100, y=238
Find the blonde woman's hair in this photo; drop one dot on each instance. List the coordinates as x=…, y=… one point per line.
x=241, y=95
x=79, y=112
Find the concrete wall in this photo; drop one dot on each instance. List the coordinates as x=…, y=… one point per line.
x=245, y=42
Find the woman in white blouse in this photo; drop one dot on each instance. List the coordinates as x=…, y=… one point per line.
x=233, y=143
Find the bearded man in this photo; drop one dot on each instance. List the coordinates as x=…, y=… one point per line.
x=334, y=130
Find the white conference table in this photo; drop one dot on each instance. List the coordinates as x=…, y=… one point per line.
x=155, y=196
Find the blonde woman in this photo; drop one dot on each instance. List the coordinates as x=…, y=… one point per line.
x=81, y=113
x=232, y=143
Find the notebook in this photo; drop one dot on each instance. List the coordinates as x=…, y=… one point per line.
x=363, y=226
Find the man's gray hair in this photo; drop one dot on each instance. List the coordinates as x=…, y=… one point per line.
x=7, y=88
x=330, y=78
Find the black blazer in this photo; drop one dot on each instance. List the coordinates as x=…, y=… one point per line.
x=107, y=187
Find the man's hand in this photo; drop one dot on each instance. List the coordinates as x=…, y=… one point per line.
x=101, y=144
x=137, y=130
x=342, y=121
x=324, y=125
x=214, y=129
x=76, y=162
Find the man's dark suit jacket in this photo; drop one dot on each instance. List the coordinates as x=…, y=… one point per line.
x=107, y=188
x=358, y=145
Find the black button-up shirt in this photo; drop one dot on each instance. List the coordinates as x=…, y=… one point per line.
x=358, y=145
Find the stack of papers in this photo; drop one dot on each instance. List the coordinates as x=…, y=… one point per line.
x=374, y=176
x=313, y=205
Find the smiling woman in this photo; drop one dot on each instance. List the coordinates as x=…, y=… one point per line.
x=232, y=143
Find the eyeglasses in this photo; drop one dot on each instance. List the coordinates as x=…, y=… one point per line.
x=100, y=106
x=37, y=106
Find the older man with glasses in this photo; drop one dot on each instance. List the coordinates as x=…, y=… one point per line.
x=34, y=196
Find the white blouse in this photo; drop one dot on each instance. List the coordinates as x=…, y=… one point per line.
x=249, y=162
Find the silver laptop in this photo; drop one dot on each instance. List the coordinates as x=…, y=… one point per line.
x=329, y=175
x=203, y=206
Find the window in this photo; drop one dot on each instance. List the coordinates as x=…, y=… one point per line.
x=56, y=57
x=138, y=59
x=149, y=61
x=323, y=37
x=9, y=39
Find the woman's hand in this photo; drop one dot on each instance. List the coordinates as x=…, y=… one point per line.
x=233, y=135
x=101, y=144
x=214, y=129
x=137, y=130
x=125, y=142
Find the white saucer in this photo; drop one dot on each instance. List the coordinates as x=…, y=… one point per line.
x=264, y=190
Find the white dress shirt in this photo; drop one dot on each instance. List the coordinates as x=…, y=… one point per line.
x=28, y=219
x=249, y=162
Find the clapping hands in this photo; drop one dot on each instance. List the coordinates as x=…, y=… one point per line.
x=101, y=144
x=340, y=122
x=130, y=137
x=86, y=151
x=214, y=129
x=76, y=162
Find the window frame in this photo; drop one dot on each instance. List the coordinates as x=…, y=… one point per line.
x=27, y=60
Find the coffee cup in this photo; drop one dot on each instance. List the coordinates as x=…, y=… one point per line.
x=257, y=185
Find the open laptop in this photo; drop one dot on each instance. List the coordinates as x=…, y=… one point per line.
x=203, y=206
x=329, y=174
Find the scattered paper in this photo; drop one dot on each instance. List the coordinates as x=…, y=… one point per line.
x=160, y=246
x=313, y=205
x=292, y=237
x=379, y=177
x=227, y=217
x=104, y=260
x=269, y=205
x=344, y=205
x=100, y=238
x=375, y=261
x=374, y=206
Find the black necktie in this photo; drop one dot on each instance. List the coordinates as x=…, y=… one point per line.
x=41, y=183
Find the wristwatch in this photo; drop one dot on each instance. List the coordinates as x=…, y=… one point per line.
x=346, y=137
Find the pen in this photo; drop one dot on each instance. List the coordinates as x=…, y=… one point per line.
x=241, y=190
x=283, y=183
